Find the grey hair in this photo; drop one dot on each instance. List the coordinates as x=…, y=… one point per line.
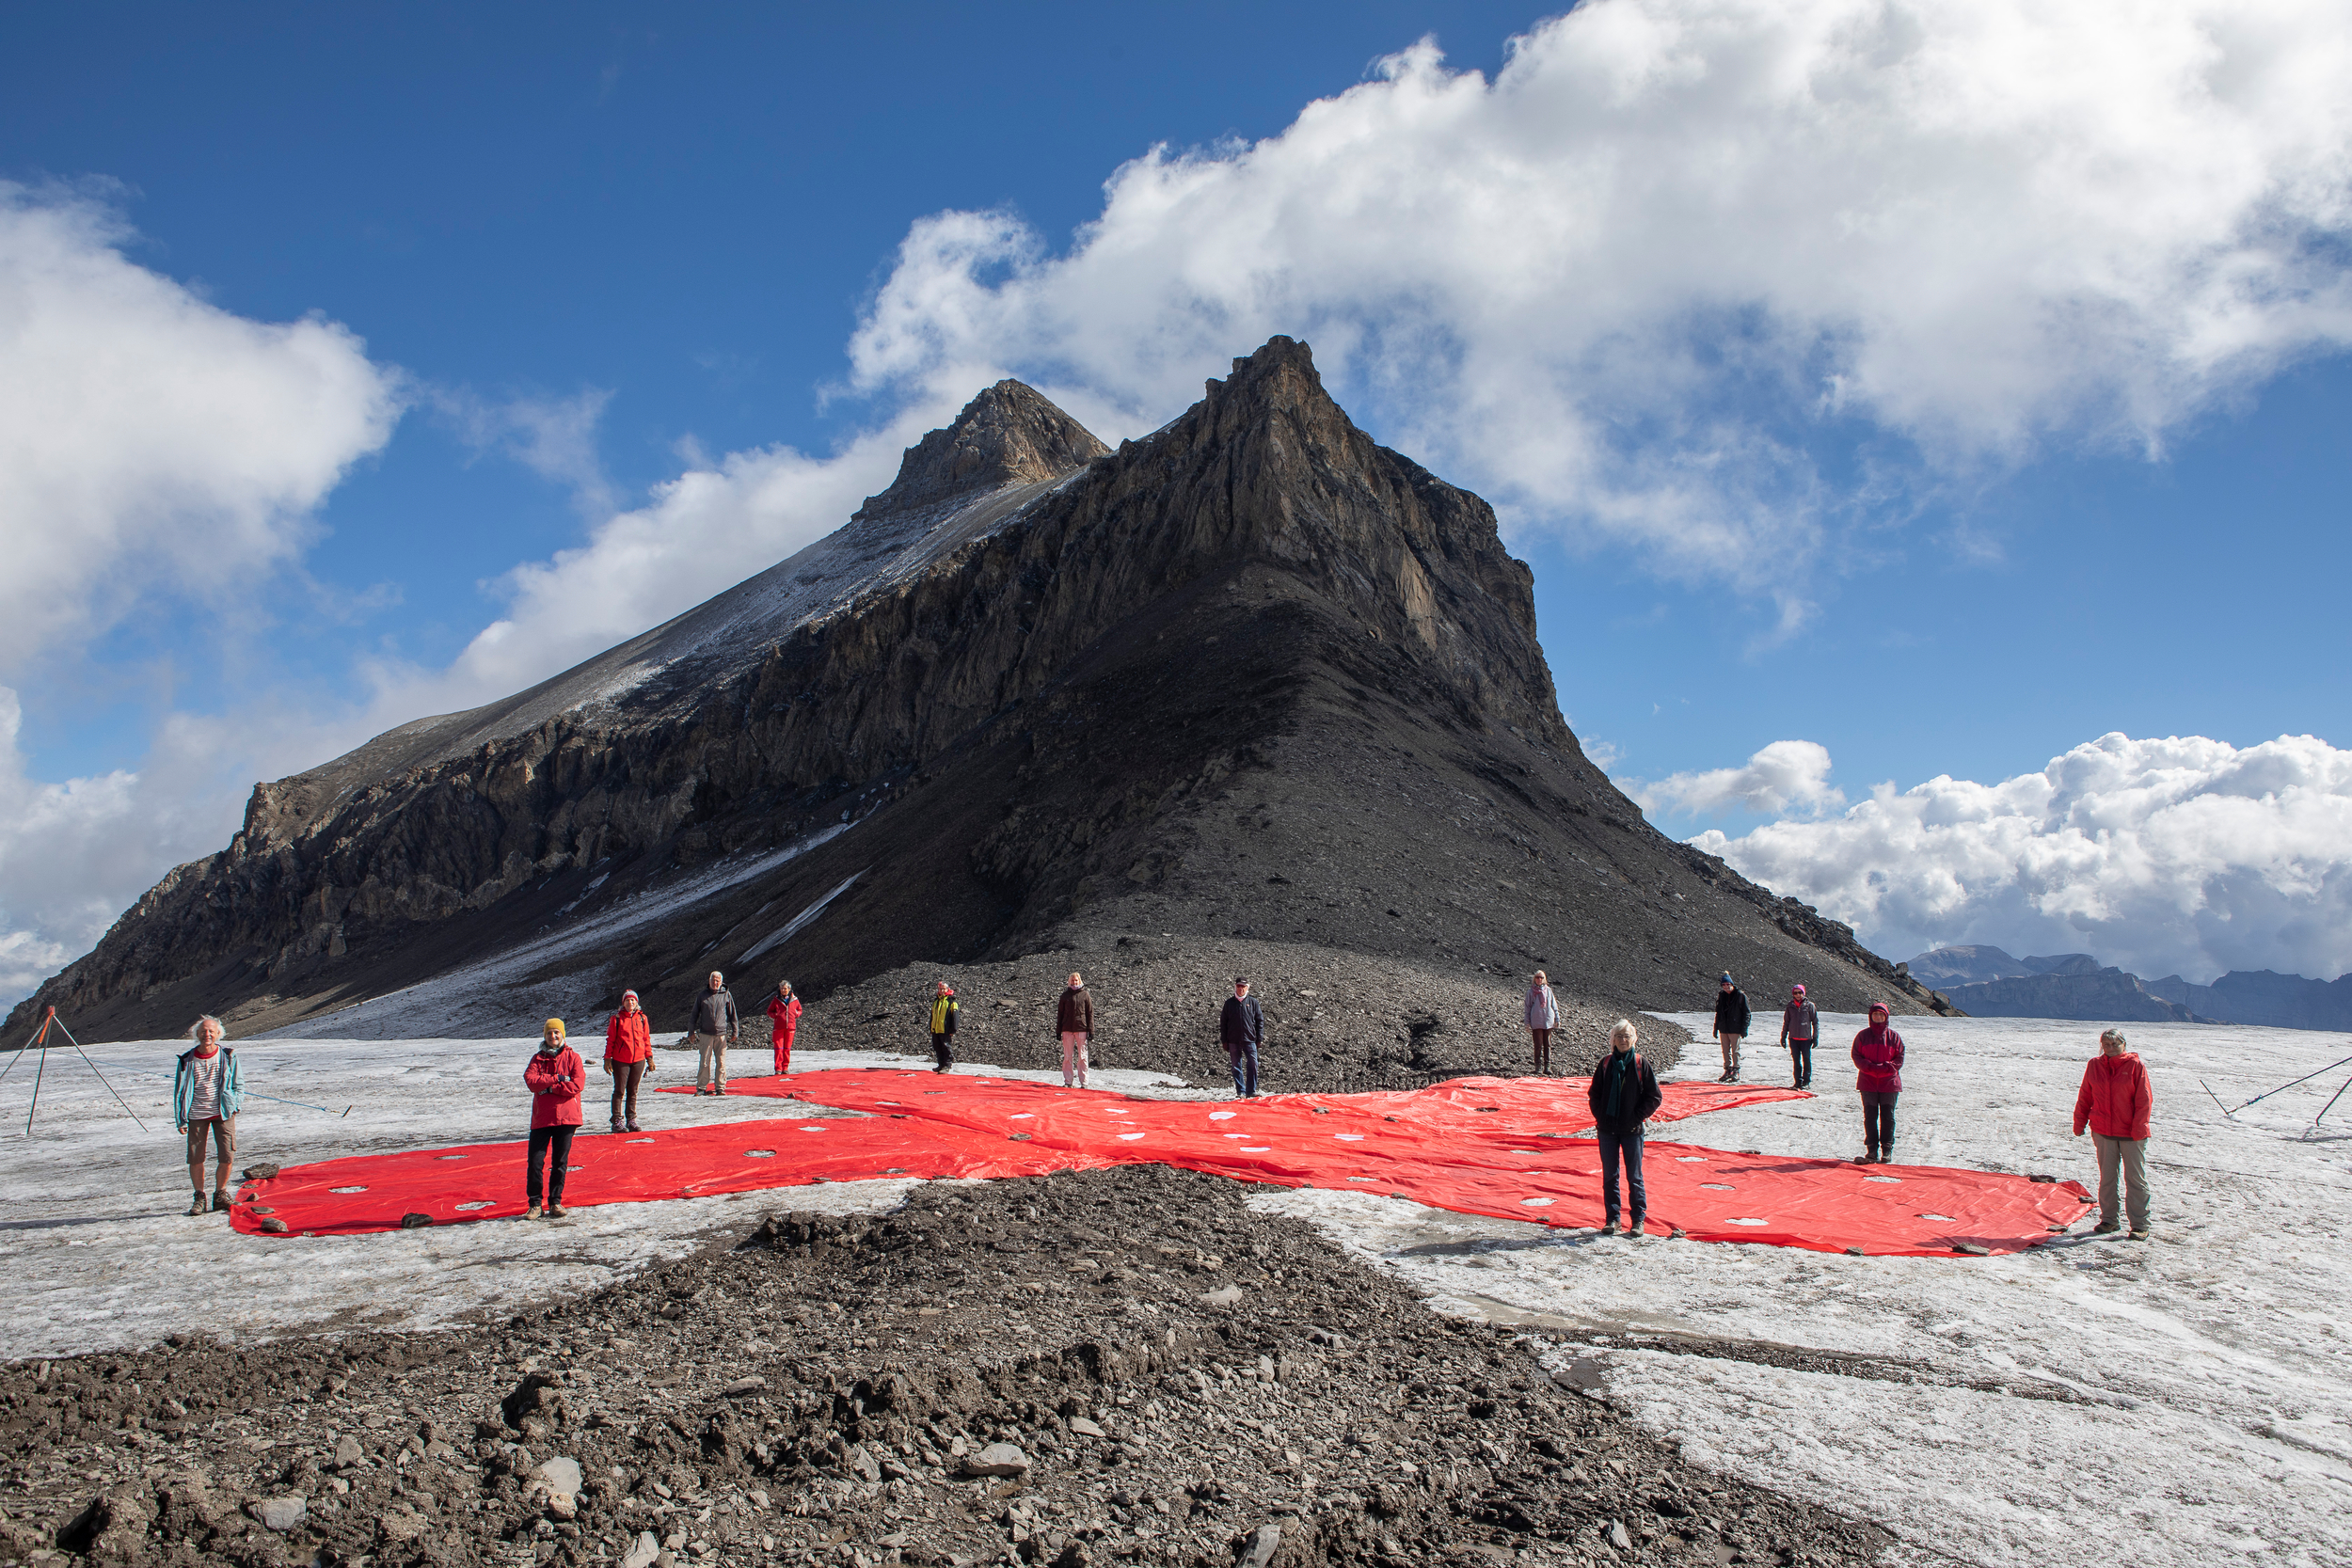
x=1623, y=1030
x=2113, y=1034
x=196, y=1031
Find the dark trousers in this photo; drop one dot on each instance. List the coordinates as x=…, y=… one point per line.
x=543, y=1139
x=1244, y=1060
x=943, y=1051
x=1543, y=1049
x=1801, y=1063
x=1628, y=1146
x=625, y=1077
x=1878, y=1119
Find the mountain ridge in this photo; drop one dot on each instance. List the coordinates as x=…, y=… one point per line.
x=1987, y=982
x=1253, y=674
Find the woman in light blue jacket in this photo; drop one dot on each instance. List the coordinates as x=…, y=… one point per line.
x=1543, y=1017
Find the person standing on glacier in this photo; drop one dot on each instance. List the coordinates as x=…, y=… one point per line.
x=1731, y=1025
x=716, y=1023
x=1543, y=1015
x=2113, y=1103
x=1878, y=1060
x=1800, y=1026
x=1073, y=1020
x=1240, y=1029
x=783, y=1017
x=627, y=1056
x=1623, y=1095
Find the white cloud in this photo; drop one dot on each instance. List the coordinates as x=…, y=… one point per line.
x=150, y=442
x=554, y=437
x=699, y=534
x=75, y=855
x=2182, y=855
x=1787, y=775
x=1623, y=286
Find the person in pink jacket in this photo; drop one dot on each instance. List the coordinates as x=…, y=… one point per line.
x=1878, y=1060
x=2113, y=1103
x=554, y=1076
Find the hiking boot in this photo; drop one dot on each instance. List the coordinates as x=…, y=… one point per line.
x=555, y=1211
x=220, y=1203
x=617, y=1127
x=531, y=1213
x=2106, y=1227
x=1633, y=1229
x=1609, y=1229
x=196, y=1205
x=1869, y=1157
x=1886, y=1156
x=2136, y=1236
x=633, y=1127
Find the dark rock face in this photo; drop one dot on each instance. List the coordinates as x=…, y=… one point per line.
x=1251, y=677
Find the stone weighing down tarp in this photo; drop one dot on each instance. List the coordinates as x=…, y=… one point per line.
x=1502, y=1147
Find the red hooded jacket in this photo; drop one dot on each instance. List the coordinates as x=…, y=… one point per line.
x=1878, y=1054
x=2115, y=1096
x=554, y=1082
x=782, y=1018
x=627, y=1037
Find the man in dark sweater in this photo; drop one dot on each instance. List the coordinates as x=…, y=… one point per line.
x=1731, y=1025
x=1242, y=1028
x=1624, y=1095
x=716, y=1022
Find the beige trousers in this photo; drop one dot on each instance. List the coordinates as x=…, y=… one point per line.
x=712, y=1073
x=2128, y=1158
x=1073, y=1059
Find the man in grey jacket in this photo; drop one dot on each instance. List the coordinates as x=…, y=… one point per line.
x=715, y=1027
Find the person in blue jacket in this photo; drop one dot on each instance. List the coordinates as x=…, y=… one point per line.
x=205, y=1094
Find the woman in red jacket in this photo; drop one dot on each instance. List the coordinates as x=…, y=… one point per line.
x=554, y=1077
x=783, y=1016
x=1878, y=1060
x=2113, y=1103
x=627, y=1056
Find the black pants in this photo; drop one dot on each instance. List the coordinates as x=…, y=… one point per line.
x=542, y=1139
x=1878, y=1119
x=1626, y=1148
x=943, y=1051
x=1801, y=1063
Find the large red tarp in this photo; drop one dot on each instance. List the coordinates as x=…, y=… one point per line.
x=1503, y=1148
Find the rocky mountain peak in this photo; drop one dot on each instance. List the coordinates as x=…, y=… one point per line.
x=1009, y=434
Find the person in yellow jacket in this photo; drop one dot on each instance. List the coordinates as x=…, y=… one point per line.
x=943, y=1027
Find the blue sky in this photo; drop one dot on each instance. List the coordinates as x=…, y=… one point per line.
x=1777, y=487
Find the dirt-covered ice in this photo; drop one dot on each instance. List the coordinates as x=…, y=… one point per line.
x=2183, y=1402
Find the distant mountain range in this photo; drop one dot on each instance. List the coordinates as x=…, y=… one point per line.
x=1988, y=982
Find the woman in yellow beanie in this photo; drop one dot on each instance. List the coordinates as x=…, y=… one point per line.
x=554, y=1077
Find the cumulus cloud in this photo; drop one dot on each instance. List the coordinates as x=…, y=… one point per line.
x=699, y=534
x=74, y=855
x=1787, y=775
x=149, y=440
x=1627, y=285
x=2182, y=856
